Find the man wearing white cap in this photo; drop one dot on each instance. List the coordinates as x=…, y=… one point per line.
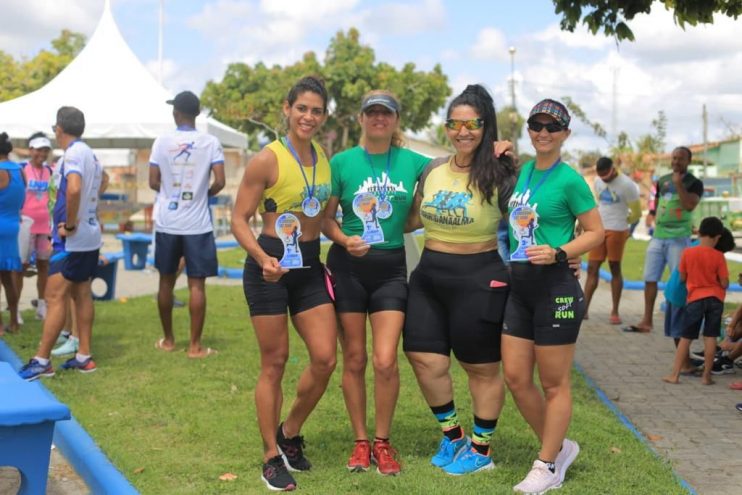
x=38, y=177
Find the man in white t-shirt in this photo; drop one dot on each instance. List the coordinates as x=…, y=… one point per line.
x=181, y=165
x=619, y=206
x=76, y=241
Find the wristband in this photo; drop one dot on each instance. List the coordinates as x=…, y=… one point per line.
x=68, y=228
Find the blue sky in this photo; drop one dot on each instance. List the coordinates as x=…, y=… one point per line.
x=665, y=69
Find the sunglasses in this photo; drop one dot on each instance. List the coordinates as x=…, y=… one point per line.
x=551, y=127
x=471, y=124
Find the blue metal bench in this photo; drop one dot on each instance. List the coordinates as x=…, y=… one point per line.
x=27, y=417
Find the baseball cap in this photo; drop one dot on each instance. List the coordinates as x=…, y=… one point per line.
x=552, y=108
x=386, y=101
x=187, y=103
x=40, y=142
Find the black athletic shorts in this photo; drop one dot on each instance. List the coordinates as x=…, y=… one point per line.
x=456, y=303
x=546, y=304
x=76, y=266
x=708, y=310
x=199, y=251
x=374, y=282
x=298, y=290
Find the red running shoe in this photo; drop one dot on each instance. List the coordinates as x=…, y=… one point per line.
x=384, y=456
x=360, y=459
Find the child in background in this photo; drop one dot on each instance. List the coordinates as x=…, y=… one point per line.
x=704, y=270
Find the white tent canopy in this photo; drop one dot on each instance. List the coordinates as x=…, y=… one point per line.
x=123, y=103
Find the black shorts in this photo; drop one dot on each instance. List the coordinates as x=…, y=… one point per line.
x=456, y=303
x=546, y=304
x=199, y=251
x=74, y=266
x=374, y=282
x=708, y=310
x=298, y=290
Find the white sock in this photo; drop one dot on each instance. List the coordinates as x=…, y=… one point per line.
x=82, y=357
x=42, y=361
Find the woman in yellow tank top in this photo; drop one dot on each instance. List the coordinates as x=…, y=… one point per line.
x=289, y=183
x=458, y=291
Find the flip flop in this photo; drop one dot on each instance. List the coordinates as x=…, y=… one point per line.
x=159, y=345
x=614, y=320
x=209, y=352
x=735, y=385
x=635, y=329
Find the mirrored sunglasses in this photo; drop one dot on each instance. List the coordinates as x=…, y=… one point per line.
x=472, y=124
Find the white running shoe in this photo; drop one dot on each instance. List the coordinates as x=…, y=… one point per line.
x=19, y=318
x=41, y=310
x=566, y=457
x=539, y=480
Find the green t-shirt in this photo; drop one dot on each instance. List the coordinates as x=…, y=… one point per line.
x=557, y=202
x=672, y=219
x=353, y=174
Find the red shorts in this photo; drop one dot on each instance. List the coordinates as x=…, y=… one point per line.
x=612, y=246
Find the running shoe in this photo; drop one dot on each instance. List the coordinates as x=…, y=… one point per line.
x=360, y=459
x=566, y=457
x=87, y=366
x=63, y=336
x=34, y=370
x=276, y=477
x=539, y=480
x=449, y=450
x=70, y=346
x=470, y=461
x=292, y=450
x=385, y=458
x=738, y=407
x=41, y=310
x=722, y=366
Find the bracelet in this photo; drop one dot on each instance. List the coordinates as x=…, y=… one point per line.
x=68, y=228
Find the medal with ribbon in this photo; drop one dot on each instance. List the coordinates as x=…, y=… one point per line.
x=524, y=219
x=310, y=206
x=384, y=207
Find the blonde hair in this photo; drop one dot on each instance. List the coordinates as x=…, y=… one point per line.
x=397, y=136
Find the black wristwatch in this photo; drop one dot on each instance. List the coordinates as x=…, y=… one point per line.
x=560, y=256
x=68, y=228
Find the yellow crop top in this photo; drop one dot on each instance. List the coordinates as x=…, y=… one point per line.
x=290, y=188
x=451, y=213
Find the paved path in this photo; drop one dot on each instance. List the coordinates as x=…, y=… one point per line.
x=694, y=426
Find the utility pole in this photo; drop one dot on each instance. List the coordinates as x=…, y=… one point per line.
x=514, y=111
x=705, y=142
x=159, y=42
x=614, y=116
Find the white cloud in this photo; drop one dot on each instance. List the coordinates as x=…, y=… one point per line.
x=490, y=45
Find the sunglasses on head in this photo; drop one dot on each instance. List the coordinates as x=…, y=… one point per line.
x=550, y=127
x=471, y=124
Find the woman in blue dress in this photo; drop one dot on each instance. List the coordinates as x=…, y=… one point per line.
x=12, y=194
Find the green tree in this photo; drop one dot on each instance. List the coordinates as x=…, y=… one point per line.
x=510, y=124
x=613, y=16
x=579, y=114
x=25, y=75
x=250, y=98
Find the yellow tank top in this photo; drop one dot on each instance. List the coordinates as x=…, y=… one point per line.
x=450, y=212
x=290, y=188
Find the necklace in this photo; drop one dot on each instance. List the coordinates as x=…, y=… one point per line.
x=456, y=163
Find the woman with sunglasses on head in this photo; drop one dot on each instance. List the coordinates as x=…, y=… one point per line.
x=373, y=183
x=288, y=182
x=458, y=290
x=546, y=303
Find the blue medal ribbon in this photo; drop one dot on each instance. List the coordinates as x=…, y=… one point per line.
x=310, y=190
x=543, y=178
x=382, y=191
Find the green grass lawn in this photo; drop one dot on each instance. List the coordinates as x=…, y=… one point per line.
x=173, y=425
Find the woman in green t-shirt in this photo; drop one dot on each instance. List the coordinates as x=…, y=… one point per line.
x=546, y=303
x=373, y=183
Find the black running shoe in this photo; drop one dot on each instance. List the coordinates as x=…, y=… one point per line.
x=292, y=450
x=722, y=366
x=276, y=477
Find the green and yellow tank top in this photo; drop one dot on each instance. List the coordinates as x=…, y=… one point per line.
x=450, y=212
x=290, y=188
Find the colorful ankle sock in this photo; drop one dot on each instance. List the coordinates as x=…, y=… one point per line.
x=448, y=420
x=550, y=465
x=482, y=434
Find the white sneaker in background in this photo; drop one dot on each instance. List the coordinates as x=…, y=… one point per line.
x=539, y=480
x=41, y=310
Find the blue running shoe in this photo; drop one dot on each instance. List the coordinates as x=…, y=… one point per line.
x=449, y=450
x=87, y=366
x=34, y=370
x=470, y=461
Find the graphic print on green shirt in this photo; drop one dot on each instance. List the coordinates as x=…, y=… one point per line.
x=352, y=175
x=672, y=219
x=558, y=201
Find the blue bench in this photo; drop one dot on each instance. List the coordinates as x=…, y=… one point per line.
x=27, y=417
x=135, y=250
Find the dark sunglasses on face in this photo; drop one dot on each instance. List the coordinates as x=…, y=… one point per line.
x=471, y=124
x=551, y=127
